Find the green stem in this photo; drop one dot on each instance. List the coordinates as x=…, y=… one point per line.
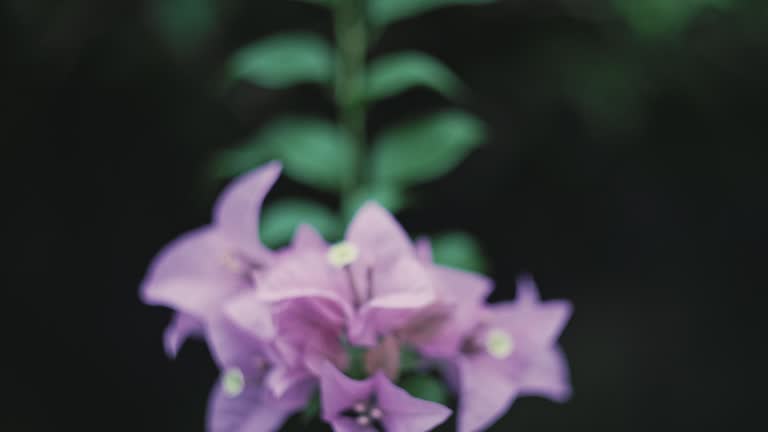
x=351, y=38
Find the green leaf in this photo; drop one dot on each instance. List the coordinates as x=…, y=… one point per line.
x=280, y=219
x=326, y=3
x=409, y=360
x=313, y=151
x=398, y=72
x=659, y=18
x=183, y=24
x=233, y=162
x=389, y=196
x=386, y=12
x=356, y=365
x=312, y=408
x=426, y=148
x=426, y=387
x=459, y=249
x=284, y=60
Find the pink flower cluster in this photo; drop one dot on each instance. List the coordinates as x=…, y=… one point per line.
x=283, y=325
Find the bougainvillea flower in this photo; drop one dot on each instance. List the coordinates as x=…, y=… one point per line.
x=200, y=269
x=438, y=329
x=301, y=333
x=372, y=281
x=374, y=404
x=241, y=401
x=512, y=352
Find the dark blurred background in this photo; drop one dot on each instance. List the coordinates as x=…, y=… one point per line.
x=625, y=169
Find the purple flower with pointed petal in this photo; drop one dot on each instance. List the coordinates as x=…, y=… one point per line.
x=242, y=401
x=304, y=331
x=438, y=329
x=374, y=404
x=301, y=333
x=372, y=281
x=513, y=352
x=196, y=272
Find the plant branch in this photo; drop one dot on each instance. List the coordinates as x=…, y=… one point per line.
x=351, y=31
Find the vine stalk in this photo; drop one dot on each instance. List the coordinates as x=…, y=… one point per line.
x=350, y=27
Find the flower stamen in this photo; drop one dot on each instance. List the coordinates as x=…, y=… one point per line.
x=366, y=414
x=499, y=344
x=233, y=382
x=342, y=254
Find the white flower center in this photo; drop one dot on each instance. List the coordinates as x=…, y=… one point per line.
x=360, y=407
x=365, y=413
x=342, y=254
x=233, y=382
x=376, y=413
x=499, y=344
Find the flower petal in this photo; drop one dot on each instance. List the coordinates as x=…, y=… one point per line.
x=251, y=313
x=405, y=413
x=307, y=237
x=193, y=274
x=405, y=285
x=396, y=296
x=236, y=212
x=461, y=298
x=233, y=346
x=280, y=380
x=423, y=250
x=527, y=292
x=181, y=327
x=339, y=392
x=548, y=376
x=541, y=323
x=461, y=284
x=304, y=274
x=377, y=234
x=344, y=424
x=486, y=394
x=250, y=411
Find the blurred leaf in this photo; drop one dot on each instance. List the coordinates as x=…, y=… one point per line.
x=356, y=365
x=409, y=360
x=313, y=151
x=280, y=219
x=233, y=162
x=607, y=88
x=386, y=12
x=312, y=408
x=284, y=60
x=398, y=72
x=184, y=24
x=460, y=250
x=426, y=387
x=664, y=17
x=426, y=148
x=327, y=3
x=389, y=196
